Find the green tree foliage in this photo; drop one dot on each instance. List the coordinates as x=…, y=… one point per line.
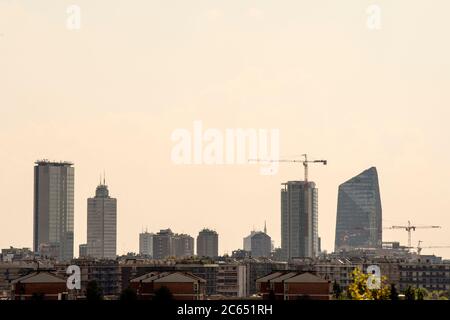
x=438, y=295
x=410, y=293
x=358, y=289
x=421, y=294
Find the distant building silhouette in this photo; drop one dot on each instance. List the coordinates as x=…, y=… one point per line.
x=258, y=243
x=359, y=214
x=168, y=244
x=183, y=245
x=208, y=243
x=146, y=244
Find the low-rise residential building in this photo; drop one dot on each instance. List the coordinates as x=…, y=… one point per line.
x=293, y=285
x=232, y=280
x=106, y=273
x=10, y=271
x=39, y=285
x=181, y=285
x=425, y=273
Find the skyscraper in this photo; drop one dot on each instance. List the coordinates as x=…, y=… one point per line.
x=53, y=224
x=358, y=219
x=102, y=224
x=299, y=219
x=146, y=244
x=208, y=243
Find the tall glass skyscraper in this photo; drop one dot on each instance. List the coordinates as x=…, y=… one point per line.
x=53, y=209
x=299, y=219
x=102, y=224
x=359, y=214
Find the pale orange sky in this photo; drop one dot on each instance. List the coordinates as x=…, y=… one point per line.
x=109, y=95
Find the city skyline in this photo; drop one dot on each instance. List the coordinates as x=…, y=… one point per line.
x=110, y=95
x=102, y=191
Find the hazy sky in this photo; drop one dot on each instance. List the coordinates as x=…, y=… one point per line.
x=109, y=96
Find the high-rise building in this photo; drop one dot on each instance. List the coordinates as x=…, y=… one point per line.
x=248, y=241
x=358, y=219
x=261, y=245
x=163, y=244
x=208, y=243
x=299, y=219
x=168, y=244
x=146, y=244
x=183, y=245
x=258, y=243
x=102, y=224
x=53, y=225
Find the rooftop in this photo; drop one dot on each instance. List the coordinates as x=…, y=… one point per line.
x=45, y=162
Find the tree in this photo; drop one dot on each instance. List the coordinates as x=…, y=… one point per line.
x=421, y=293
x=93, y=291
x=337, y=290
x=163, y=294
x=394, y=293
x=128, y=294
x=410, y=293
x=359, y=290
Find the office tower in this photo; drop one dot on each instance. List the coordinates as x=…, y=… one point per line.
x=258, y=243
x=102, y=224
x=358, y=220
x=208, y=243
x=299, y=219
x=261, y=245
x=162, y=244
x=146, y=244
x=53, y=224
x=183, y=245
x=248, y=241
x=82, y=250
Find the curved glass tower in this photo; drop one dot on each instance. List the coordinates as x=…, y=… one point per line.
x=358, y=220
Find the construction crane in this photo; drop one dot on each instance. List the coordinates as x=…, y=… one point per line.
x=419, y=247
x=410, y=228
x=304, y=161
